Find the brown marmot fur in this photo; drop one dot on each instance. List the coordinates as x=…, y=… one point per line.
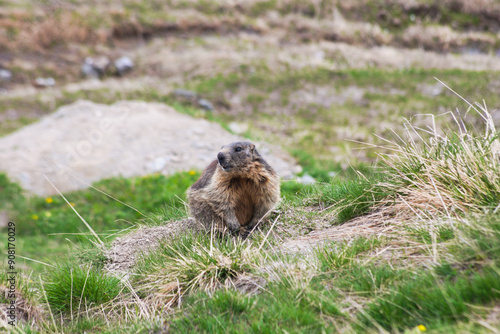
x=236, y=191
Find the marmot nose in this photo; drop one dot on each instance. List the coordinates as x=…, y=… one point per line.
x=221, y=158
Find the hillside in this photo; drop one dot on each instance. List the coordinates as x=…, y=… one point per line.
x=380, y=116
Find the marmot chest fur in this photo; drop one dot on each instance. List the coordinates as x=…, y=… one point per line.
x=236, y=191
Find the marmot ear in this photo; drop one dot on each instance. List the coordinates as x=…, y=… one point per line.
x=252, y=148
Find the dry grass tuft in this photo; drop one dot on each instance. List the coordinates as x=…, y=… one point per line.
x=454, y=172
x=198, y=263
x=26, y=310
x=444, y=38
x=51, y=30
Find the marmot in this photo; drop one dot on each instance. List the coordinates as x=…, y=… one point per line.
x=236, y=191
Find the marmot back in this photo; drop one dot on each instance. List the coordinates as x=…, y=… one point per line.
x=236, y=191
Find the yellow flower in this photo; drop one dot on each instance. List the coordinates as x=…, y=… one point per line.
x=35, y=217
x=71, y=203
x=49, y=200
x=422, y=328
x=48, y=214
x=192, y=172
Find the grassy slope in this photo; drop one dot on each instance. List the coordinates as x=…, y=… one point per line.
x=447, y=285
x=331, y=286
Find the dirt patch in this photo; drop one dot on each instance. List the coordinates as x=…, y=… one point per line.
x=125, y=251
x=373, y=225
x=295, y=232
x=85, y=142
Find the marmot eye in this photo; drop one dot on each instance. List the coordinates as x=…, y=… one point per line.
x=238, y=149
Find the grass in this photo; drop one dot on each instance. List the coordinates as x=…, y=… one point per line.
x=368, y=279
x=343, y=286
x=433, y=301
x=76, y=288
x=197, y=262
x=44, y=214
x=353, y=197
x=334, y=256
x=455, y=171
x=46, y=223
x=282, y=307
x=438, y=188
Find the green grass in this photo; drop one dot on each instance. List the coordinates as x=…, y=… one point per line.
x=432, y=301
x=76, y=288
x=46, y=223
x=429, y=12
x=281, y=307
x=368, y=279
x=342, y=255
x=52, y=214
x=354, y=197
x=45, y=227
x=484, y=233
x=311, y=129
x=441, y=234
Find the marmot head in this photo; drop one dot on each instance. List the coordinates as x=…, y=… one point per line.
x=235, y=157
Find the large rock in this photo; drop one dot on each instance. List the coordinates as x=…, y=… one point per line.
x=84, y=142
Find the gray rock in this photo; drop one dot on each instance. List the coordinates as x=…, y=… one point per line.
x=185, y=93
x=306, y=179
x=123, y=65
x=95, y=68
x=101, y=64
x=205, y=104
x=44, y=82
x=89, y=71
x=5, y=75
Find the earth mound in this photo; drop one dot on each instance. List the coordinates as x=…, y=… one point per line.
x=84, y=142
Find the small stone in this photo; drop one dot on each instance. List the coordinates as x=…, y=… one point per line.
x=95, y=68
x=185, y=93
x=5, y=75
x=102, y=64
x=88, y=71
x=238, y=128
x=306, y=179
x=123, y=65
x=205, y=104
x=44, y=82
